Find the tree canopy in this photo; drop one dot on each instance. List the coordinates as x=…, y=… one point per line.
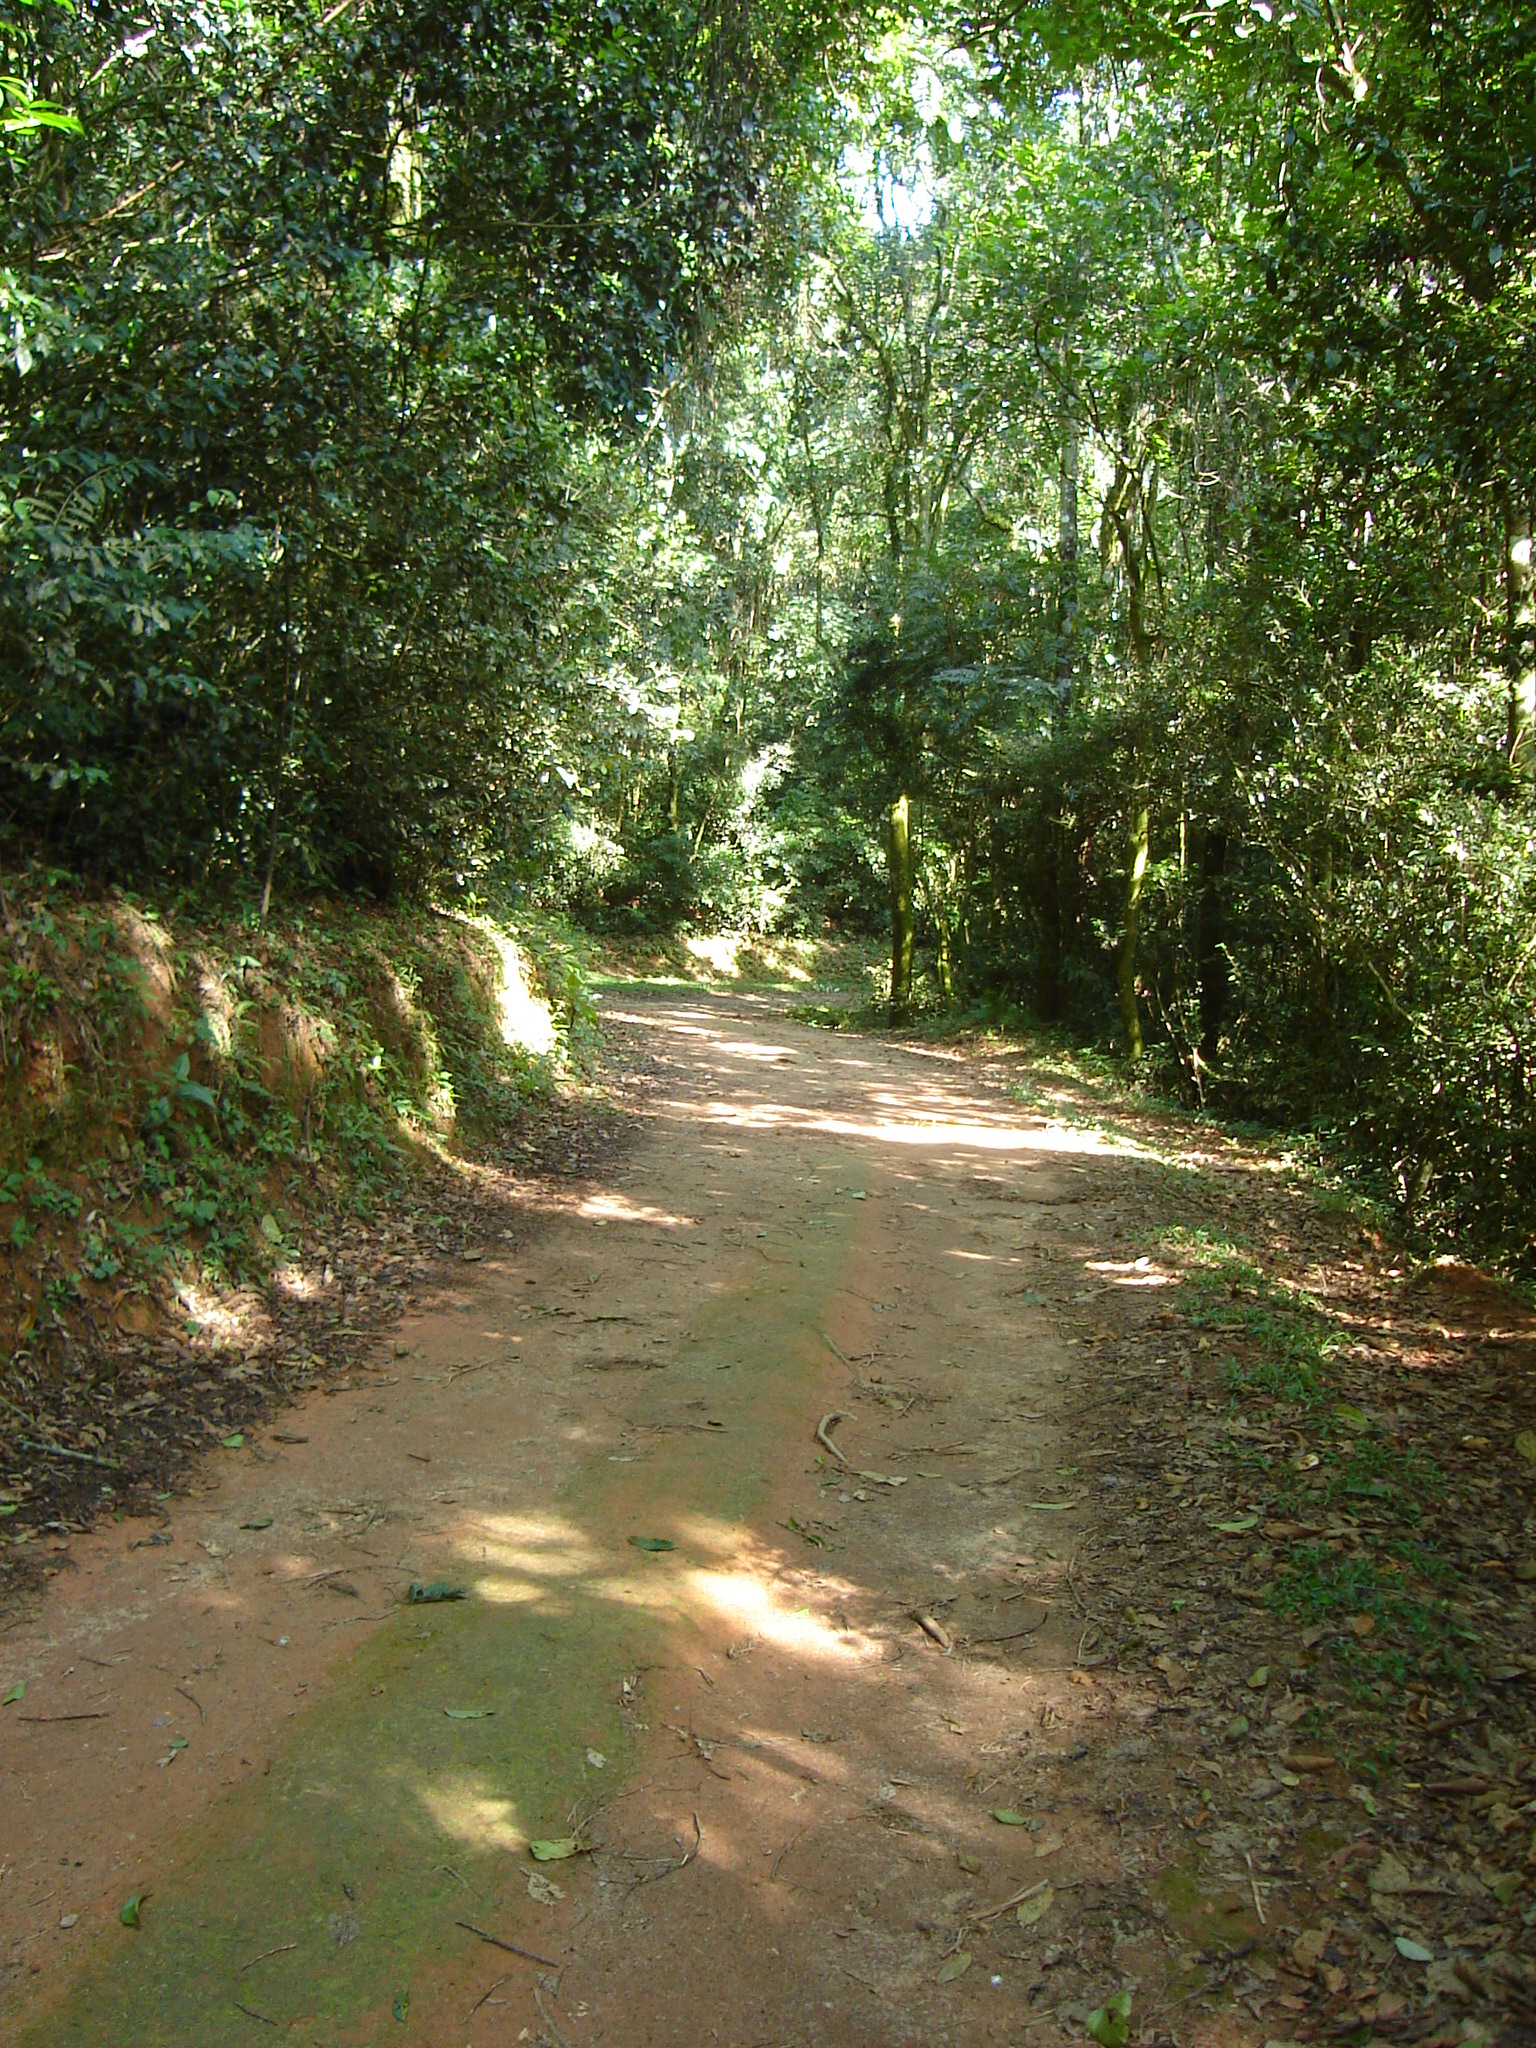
x=1051, y=483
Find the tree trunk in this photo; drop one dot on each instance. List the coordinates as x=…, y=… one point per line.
x=1130, y=930
x=1520, y=602
x=1048, y=966
x=1210, y=952
x=899, y=862
x=1066, y=557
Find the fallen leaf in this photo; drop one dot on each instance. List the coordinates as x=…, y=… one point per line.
x=936, y=1632
x=469, y=1713
x=1173, y=1672
x=652, y=1543
x=1355, y=1420
x=271, y=1229
x=969, y=1864
x=17, y=1692
x=258, y=1522
x=233, y=1441
x=1308, y=1759
x=436, y=1589
x=1307, y=1949
x=597, y=1760
x=1413, y=1951
x=543, y=1890
x=1362, y=1797
x=1110, y=2023
x=130, y=1910
x=1525, y=1444
x=400, y=2004
x=1363, y=1624
x=1007, y=1816
x=1050, y=1507
x=555, y=1851
x=955, y=1967
x=1504, y=1888
x=1390, y=1878
x=1036, y=1908
x=1048, y=1842
x=69, y=1920
x=1238, y=1528
x=1259, y=1678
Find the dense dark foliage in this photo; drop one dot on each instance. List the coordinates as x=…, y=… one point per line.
x=1060, y=482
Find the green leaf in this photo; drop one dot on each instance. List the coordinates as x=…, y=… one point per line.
x=955, y=1967
x=17, y=1692
x=400, y=2004
x=1008, y=1818
x=1035, y=1908
x=258, y=1522
x=1110, y=2023
x=555, y=1850
x=130, y=1909
x=1413, y=1951
x=194, y=1091
x=469, y=1713
x=1525, y=1444
x=1238, y=1528
x=428, y=1595
x=1050, y=1507
x=652, y=1543
x=271, y=1229
x=233, y=1441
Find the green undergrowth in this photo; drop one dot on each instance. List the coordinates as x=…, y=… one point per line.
x=1362, y=1568
x=1286, y=1346
x=181, y=1085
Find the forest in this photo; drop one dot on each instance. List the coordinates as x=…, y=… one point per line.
x=1049, y=485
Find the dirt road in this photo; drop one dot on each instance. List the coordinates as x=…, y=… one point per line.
x=827, y=1720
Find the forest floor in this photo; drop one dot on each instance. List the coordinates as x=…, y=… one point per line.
x=902, y=1550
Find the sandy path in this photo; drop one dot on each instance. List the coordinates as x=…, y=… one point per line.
x=786, y=1786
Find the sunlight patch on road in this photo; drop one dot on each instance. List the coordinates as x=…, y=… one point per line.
x=539, y=1546
x=743, y=1601
x=619, y=1209
x=475, y=1817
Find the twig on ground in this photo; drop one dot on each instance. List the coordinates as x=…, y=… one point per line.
x=511, y=1947
x=823, y=1433
x=538, y=1999
x=281, y=1950
x=481, y=2000
x=196, y=1702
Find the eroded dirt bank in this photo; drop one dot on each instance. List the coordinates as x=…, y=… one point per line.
x=987, y=1702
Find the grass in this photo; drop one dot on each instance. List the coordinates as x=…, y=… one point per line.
x=1288, y=1346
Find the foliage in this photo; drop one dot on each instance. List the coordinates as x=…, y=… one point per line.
x=604, y=463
